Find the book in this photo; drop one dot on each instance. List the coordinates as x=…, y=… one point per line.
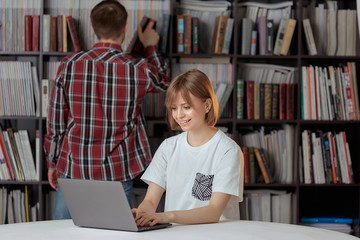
x=269, y=36
x=309, y=36
x=282, y=101
x=288, y=36
x=53, y=34
x=73, y=33
x=223, y=92
x=64, y=34
x=280, y=35
x=249, y=100
x=290, y=101
x=180, y=28
x=246, y=35
x=28, y=32
x=219, y=34
x=245, y=150
x=253, y=45
x=7, y=159
x=164, y=33
x=46, y=32
x=195, y=35
x=228, y=36
x=261, y=26
x=45, y=97
x=240, y=99
x=264, y=167
x=275, y=101
x=59, y=33
x=35, y=32
x=187, y=33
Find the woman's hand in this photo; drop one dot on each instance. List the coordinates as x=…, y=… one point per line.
x=150, y=218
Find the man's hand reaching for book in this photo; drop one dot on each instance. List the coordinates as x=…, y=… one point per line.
x=149, y=37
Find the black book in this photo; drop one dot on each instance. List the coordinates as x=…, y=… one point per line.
x=135, y=47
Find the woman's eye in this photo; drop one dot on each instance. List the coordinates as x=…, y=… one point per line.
x=186, y=107
x=173, y=108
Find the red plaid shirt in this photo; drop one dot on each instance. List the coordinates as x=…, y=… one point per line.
x=95, y=128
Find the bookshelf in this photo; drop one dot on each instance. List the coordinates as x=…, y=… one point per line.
x=307, y=199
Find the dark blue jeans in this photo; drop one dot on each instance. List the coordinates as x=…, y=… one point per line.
x=61, y=211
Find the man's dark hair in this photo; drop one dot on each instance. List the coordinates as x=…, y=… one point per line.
x=108, y=18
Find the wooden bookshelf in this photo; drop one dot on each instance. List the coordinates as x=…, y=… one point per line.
x=321, y=199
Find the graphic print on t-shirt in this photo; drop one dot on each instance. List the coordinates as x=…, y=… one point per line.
x=202, y=188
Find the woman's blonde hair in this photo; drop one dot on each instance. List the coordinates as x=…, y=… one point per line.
x=198, y=84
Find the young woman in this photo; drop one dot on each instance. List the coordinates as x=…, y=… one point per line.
x=201, y=169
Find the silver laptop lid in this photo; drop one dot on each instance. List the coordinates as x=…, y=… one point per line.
x=97, y=204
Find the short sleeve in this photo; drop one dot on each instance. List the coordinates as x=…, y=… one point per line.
x=228, y=176
x=156, y=171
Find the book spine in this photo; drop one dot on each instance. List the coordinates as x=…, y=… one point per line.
x=59, y=33
x=282, y=101
x=246, y=28
x=73, y=33
x=261, y=22
x=262, y=101
x=275, y=101
x=164, y=33
x=195, y=35
x=64, y=34
x=250, y=100
x=256, y=100
x=187, y=33
x=252, y=166
x=46, y=33
x=253, y=42
x=268, y=99
x=246, y=165
x=53, y=34
x=288, y=37
x=240, y=99
x=261, y=165
x=179, y=33
x=269, y=36
x=290, y=101
x=219, y=34
x=228, y=36
x=280, y=35
x=28, y=33
x=35, y=32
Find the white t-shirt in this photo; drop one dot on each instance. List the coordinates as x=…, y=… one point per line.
x=189, y=174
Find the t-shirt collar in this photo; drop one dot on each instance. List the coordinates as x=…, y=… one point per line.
x=107, y=45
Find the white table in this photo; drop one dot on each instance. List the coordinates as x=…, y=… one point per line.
x=239, y=230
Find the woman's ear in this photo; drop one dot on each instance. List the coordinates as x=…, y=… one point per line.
x=208, y=104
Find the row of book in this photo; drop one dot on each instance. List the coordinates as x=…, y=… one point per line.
x=265, y=91
x=16, y=156
x=187, y=34
x=329, y=93
x=268, y=156
x=330, y=29
x=267, y=205
x=325, y=158
x=19, y=94
x=266, y=28
x=12, y=15
x=15, y=206
x=159, y=10
x=56, y=30
x=12, y=29
x=214, y=22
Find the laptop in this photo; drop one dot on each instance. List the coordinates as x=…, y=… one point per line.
x=100, y=204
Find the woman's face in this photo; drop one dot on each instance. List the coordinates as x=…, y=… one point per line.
x=189, y=117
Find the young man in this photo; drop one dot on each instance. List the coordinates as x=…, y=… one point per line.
x=95, y=128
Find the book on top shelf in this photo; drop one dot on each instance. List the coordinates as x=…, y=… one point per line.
x=135, y=46
x=73, y=33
